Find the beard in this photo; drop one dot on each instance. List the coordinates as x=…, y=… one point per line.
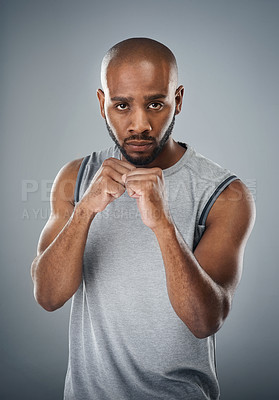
x=143, y=160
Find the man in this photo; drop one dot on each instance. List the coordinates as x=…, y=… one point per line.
x=149, y=240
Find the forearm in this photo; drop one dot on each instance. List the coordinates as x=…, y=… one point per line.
x=199, y=302
x=57, y=272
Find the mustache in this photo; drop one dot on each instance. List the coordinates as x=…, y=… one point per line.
x=139, y=138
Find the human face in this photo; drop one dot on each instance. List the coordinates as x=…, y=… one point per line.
x=139, y=103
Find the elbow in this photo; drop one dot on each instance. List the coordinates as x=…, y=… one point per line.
x=43, y=294
x=208, y=324
x=202, y=332
x=202, y=327
x=50, y=307
x=205, y=327
x=47, y=303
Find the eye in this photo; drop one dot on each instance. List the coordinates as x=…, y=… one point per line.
x=121, y=106
x=155, y=106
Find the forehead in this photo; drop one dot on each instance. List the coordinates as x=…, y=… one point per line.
x=141, y=77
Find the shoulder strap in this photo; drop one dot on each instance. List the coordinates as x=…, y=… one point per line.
x=214, y=196
x=79, y=177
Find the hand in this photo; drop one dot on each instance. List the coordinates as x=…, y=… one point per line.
x=107, y=185
x=147, y=186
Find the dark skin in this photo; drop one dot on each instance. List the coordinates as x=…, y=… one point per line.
x=200, y=285
x=143, y=104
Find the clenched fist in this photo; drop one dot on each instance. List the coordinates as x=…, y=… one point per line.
x=107, y=185
x=147, y=186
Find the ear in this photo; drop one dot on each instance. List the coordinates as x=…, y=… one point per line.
x=101, y=98
x=178, y=99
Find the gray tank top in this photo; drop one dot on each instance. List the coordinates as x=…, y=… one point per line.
x=125, y=340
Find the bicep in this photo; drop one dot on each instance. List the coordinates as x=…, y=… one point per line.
x=229, y=223
x=62, y=204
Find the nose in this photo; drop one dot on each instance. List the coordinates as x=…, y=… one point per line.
x=139, y=122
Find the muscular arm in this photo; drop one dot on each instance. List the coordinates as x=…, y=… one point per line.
x=200, y=285
x=57, y=269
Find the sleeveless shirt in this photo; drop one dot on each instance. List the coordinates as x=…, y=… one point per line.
x=125, y=340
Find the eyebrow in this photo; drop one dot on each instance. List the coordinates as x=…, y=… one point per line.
x=155, y=96
x=130, y=99
x=123, y=99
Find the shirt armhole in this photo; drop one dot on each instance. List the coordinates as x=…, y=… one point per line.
x=213, y=198
x=200, y=228
x=79, y=178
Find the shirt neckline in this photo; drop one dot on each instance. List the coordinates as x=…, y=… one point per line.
x=175, y=167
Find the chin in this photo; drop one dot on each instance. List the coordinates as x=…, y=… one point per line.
x=140, y=160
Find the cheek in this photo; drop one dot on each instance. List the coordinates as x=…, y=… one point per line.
x=110, y=116
x=117, y=124
x=166, y=121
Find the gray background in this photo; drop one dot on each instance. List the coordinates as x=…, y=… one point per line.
x=50, y=56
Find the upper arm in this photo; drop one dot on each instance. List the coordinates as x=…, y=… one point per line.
x=228, y=226
x=62, y=203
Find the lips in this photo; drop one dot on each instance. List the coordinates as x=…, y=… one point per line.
x=138, y=145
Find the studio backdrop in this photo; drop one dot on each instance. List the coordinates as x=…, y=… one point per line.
x=50, y=55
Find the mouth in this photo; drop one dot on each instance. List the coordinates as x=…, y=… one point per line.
x=138, y=145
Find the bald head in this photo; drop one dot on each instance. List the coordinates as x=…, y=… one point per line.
x=136, y=51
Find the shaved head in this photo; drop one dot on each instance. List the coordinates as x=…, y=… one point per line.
x=139, y=50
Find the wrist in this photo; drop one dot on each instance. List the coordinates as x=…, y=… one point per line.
x=83, y=213
x=165, y=227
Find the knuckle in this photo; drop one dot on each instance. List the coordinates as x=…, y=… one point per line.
x=106, y=169
x=159, y=172
x=107, y=161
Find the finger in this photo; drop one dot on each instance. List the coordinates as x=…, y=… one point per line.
x=114, y=170
x=114, y=189
x=127, y=178
x=139, y=187
x=113, y=175
x=132, y=193
x=122, y=163
x=145, y=171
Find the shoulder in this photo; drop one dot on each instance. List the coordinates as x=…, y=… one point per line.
x=234, y=209
x=65, y=181
x=69, y=171
x=205, y=169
